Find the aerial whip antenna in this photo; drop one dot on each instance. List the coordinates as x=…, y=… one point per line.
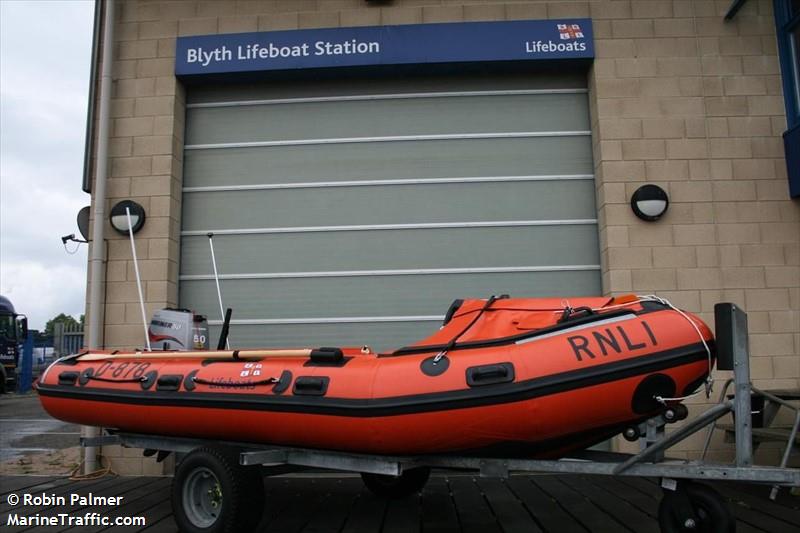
x=138, y=278
x=219, y=293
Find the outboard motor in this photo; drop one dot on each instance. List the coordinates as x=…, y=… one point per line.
x=178, y=329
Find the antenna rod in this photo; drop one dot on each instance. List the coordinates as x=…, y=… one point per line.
x=216, y=280
x=138, y=279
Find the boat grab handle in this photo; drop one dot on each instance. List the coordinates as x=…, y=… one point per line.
x=311, y=385
x=67, y=378
x=490, y=374
x=170, y=382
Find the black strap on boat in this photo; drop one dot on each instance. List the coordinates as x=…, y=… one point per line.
x=112, y=380
x=450, y=345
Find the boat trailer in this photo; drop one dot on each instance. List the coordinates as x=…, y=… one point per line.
x=216, y=489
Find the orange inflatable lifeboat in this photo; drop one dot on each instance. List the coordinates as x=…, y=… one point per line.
x=518, y=377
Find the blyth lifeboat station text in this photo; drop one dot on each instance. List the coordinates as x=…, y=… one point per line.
x=273, y=51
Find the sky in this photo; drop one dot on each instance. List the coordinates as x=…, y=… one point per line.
x=45, y=54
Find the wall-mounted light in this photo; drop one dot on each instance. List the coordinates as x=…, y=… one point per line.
x=649, y=202
x=119, y=217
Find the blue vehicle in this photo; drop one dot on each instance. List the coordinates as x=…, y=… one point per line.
x=13, y=331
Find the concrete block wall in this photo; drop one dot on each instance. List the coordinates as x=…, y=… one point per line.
x=693, y=103
x=679, y=97
x=145, y=158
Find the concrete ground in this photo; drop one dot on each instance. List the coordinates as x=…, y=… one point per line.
x=31, y=442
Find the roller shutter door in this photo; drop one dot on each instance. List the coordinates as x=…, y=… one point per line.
x=354, y=212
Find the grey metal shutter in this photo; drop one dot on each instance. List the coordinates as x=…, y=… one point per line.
x=354, y=212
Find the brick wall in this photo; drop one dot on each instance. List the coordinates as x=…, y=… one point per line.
x=678, y=97
x=693, y=103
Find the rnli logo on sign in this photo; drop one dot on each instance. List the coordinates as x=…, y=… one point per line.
x=571, y=39
x=569, y=31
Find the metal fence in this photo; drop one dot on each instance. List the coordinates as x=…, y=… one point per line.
x=67, y=338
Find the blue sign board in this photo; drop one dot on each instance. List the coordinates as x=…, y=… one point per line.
x=385, y=45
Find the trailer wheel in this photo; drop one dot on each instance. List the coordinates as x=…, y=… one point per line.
x=408, y=483
x=712, y=512
x=212, y=493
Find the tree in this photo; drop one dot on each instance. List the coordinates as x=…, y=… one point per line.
x=61, y=317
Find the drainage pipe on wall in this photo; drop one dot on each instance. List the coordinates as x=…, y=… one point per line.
x=97, y=259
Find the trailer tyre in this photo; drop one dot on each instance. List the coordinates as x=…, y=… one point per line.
x=713, y=513
x=212, y=493
x=408, y=483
